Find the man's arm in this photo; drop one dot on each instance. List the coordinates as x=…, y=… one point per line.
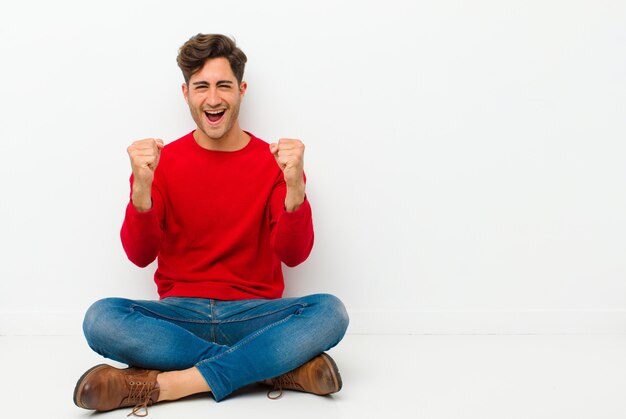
x=144, y=159
x=289, y=155
x=292, y=224
x=142, y=229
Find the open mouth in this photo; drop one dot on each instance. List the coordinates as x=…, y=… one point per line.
x=214, y=117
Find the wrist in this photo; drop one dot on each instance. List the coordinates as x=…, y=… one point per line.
x=141, y=197
x=294, y=198
x=295, y=185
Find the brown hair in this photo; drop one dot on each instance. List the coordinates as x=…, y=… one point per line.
x=195, y=52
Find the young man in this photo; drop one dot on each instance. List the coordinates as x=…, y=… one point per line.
x=219, y=209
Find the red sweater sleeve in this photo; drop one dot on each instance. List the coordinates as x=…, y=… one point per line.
x=292, y=232
x=142, y=232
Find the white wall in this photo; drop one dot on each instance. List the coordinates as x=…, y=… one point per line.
x=465, y=159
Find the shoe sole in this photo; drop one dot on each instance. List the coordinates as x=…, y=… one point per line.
x=80, y=384
x=333, y=367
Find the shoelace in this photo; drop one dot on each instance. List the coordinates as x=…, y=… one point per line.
x=140, y=393
x=280, y=382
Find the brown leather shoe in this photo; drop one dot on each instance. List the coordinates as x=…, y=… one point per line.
x=318, y=376
x=104, y=387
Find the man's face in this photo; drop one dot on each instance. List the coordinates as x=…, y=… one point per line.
x=214, y=96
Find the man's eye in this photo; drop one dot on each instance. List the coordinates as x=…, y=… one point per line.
x=200, y=87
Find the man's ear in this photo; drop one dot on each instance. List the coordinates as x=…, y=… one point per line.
x=186, y=92
x=242, y=89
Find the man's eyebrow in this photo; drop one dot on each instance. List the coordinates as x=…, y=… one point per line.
x=206, y=83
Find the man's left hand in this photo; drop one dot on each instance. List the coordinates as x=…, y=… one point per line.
x=289, y=155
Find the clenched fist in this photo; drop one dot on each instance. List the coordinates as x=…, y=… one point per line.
x=144, y=159
x=289, y=155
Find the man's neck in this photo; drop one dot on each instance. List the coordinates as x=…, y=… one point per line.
x=235, y=139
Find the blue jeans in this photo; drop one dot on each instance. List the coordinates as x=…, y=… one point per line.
x=232, y=343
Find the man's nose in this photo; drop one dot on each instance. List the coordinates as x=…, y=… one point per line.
x=213, y=98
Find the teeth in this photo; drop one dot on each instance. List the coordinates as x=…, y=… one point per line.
x=214, y=112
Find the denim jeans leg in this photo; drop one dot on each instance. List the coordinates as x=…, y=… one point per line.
x=281, y=335
x=149, y=334
x=232, y=343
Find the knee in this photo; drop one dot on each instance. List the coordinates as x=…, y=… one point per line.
x=334, y=315
x=99, y=324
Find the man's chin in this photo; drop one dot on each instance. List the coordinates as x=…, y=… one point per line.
x=215, y=134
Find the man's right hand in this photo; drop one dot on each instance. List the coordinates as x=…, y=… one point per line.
x=144, y=159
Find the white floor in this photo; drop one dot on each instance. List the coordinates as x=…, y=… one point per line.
x=384, y=377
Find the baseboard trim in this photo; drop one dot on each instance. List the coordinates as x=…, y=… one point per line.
x=433, y=322
x=494, y=322
x=34, y=323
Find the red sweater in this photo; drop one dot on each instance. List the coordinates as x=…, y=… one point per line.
x=218, y=223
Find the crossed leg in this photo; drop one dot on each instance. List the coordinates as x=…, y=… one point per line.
x=218, y=346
